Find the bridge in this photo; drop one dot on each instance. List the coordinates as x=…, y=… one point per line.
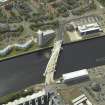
x=50, y=69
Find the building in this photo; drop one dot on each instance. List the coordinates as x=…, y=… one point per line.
x=81, y=100
x=89, y=29
x=4, y=27
x=75, y=76
x=44, y=36
x=2, y=1
x=40, y=38
x=6, y=50
x=40, y=98
x=24, y=45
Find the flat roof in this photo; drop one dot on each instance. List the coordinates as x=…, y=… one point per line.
x=75, y=74
x=78, y=98
x=80, y=101
x=27, y=98
x=46, y=32
x=89, y=27
x=3, y=0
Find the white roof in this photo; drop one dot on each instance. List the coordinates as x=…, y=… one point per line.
x=46, y=32
x=75, y=74
x=5, y=50
x=88, y=102
x=24, y=45
x=81, y=104
x=89, y=27
x=78, y=98
x=9, y=47
x=80, y=101
x=3, y=0
x=39, y=32
x=27, y=98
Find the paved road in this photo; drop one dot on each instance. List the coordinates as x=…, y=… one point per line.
x=23, y=71
x=52, y=63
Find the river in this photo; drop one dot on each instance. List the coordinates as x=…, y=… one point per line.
x=23, y=71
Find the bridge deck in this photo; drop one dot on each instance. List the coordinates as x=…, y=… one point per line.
x=50, y=69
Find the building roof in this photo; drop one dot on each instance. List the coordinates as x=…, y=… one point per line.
x=75, y=74
x=27, y=98
x=3, y=25
x=39, y=32
x=46, y=32
x=3, y=0
x=89, y=27
x=5, y=50
x=24, y=45
x=78, y=98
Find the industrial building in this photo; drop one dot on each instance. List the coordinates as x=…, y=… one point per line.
x=44, y=36
x=75, y=76
x=89, y=29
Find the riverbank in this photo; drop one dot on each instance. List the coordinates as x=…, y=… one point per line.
x=22, y=93
x=74, y=56
x=23, y=51
x=34, y=48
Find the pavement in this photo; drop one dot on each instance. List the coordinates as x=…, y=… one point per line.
x=50, y=68
x=74, y=36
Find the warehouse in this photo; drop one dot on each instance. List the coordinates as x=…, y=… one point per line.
x=75, y=76
x=3, y=0
x=89, y=29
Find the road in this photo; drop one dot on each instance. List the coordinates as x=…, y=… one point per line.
x=52, y=63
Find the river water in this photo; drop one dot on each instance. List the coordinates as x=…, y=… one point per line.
x=23, y=71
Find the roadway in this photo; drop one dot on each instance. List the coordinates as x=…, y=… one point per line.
x=52, y=63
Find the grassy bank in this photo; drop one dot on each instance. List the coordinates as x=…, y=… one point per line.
x=33, y=48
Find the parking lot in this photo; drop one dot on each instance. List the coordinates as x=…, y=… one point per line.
x=88, y=20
